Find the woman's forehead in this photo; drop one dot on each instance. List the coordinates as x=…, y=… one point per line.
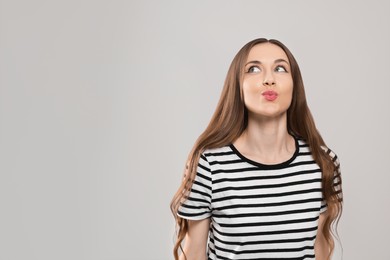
x=266, y=52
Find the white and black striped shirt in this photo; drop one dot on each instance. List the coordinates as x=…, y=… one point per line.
x=257, y=211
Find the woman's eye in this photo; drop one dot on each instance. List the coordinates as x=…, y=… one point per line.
x=280, y=69
x=253, y=69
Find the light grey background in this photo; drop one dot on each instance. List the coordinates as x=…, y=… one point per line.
x=101, y=101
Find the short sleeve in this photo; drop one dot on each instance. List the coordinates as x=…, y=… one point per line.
x=198, y=204
x=324, y=206
x=336, y=177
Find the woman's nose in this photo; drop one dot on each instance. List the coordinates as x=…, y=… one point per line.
x=269, y=81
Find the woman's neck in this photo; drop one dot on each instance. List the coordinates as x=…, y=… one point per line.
x=266, y=140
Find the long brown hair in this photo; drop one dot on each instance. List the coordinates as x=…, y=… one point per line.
x=230, y=120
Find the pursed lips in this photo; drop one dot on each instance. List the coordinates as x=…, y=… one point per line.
x=269, y=95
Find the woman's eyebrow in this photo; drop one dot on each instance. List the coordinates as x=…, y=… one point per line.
x=259, y=62
x=281, y=60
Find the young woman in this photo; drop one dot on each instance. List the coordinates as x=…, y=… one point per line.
x=260, y=182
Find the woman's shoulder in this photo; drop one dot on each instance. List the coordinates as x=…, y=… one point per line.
x=331, y=154
x=217, y=150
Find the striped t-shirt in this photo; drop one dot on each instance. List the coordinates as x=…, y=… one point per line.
x=257, y=211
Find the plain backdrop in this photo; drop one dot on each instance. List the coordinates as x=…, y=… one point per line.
x=101, y=101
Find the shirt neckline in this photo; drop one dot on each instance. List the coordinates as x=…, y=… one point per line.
x=268, y=166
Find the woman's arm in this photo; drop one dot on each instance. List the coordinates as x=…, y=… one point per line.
x=196, y=239
x=321, y=247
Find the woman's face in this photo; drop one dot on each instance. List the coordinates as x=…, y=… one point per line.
x=268, y=83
